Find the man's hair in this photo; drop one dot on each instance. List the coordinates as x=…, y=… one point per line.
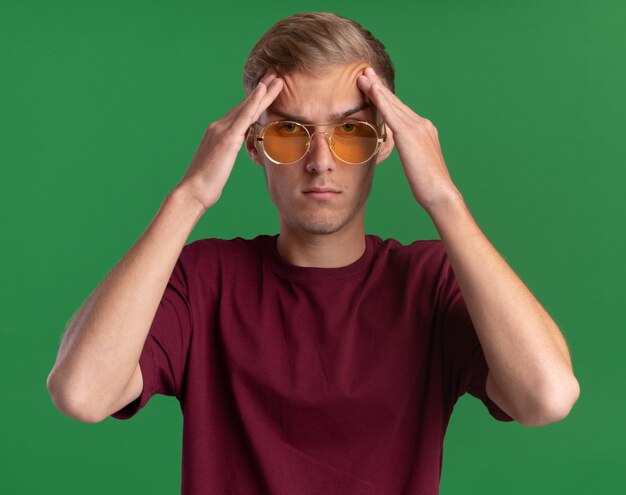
x=314, y=41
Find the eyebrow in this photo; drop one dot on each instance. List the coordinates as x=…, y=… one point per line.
x=334, y=116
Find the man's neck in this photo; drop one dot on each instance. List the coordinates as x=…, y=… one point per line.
x=322, y=251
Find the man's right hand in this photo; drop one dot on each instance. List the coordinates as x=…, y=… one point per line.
x=214, y=159
x=97, y=370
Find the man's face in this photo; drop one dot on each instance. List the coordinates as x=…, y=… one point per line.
x=320, y=98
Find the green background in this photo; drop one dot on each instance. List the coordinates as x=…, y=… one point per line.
x=103, y=105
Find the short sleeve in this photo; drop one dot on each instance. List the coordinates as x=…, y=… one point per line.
x=465, y=368
x=164, y=353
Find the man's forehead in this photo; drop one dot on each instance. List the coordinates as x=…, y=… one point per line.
x=324, y=95
x=278, y=110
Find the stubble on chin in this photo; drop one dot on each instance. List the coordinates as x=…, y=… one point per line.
x=320, y=227
x=326, y=223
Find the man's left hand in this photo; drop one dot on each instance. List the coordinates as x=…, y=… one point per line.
x=417, y=142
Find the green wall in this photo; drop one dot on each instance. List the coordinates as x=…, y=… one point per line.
x=103, y=105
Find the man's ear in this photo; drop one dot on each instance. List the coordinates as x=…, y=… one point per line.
x=386, y=147
x=251, y=148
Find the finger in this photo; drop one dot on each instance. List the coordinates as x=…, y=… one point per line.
x=410, y=117
x=248, y=105
x=372, y=76
x=387, y=109
x=262, y=85
x=234, y=112
x=273, y=90
x=268, y=77
x=252, y=111
x=265, y=81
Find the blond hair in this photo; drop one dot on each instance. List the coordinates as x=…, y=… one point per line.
x=313, y=41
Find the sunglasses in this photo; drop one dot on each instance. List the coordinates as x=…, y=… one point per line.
x=286, y=141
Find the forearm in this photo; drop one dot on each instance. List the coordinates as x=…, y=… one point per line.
x=528, y=357
x=102, y=344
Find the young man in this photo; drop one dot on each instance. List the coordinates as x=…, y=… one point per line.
x=320, y=360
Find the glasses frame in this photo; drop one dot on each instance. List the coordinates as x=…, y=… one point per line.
x=259, y=136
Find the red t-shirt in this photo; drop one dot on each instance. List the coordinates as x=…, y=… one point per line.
x=303, y=380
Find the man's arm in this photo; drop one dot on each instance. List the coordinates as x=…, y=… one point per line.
x=530, y=370
x=96, y=371
x=97, y=363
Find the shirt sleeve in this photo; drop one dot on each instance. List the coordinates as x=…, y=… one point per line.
x=464, y=366
x=163, y=357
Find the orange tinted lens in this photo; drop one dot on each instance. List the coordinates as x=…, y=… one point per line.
x=285, y=142
x=354, y=142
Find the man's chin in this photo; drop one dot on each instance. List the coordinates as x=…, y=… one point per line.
x=320, y=221
x=324, y=224
x=321, y=229
x=319, y=226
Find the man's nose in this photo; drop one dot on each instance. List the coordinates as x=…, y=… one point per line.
x=320, y=158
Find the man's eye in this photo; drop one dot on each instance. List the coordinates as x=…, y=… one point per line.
x=290, y=129
x=347, y=127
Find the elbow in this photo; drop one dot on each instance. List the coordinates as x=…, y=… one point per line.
x=69, y=404
x=554, y=407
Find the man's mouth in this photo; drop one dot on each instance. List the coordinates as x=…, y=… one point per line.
x=321, y=192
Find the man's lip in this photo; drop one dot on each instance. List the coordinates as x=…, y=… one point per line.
x=321, y=190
